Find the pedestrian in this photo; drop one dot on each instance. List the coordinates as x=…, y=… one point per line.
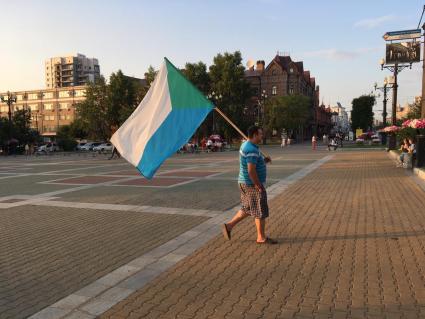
x=252, y=178
x=283, y=144
x=314, y=142
x=325, y=139
x=114, y=152
x=27, y=150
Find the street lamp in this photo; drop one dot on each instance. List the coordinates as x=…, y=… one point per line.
x=395, y=69
x=385, y=88
x=215, y=98
x=261, y=110
x=9, y=99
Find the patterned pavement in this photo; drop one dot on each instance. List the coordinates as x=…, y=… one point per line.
x=351, y=245
x=70, y=221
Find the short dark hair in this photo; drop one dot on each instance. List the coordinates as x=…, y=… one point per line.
x=252, y=130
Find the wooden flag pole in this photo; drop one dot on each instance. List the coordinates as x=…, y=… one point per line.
x=235, y=127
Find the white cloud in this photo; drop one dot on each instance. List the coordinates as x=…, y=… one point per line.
x=335, y=54
x=373, y=22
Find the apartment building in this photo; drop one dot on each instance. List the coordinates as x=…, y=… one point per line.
x=72, y=70
x=50, y=108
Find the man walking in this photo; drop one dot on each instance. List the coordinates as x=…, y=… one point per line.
x=252, y=177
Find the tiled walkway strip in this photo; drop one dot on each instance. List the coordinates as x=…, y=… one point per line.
x=107, y=291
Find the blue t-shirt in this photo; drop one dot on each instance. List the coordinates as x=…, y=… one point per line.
x=250, y=153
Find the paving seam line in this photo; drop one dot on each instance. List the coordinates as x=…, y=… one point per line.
x=101, y=295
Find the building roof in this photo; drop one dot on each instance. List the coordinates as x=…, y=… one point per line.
x=252, y=73
x=307, y=76
x=300, y=66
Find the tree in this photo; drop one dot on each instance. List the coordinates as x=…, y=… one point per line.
x=362, y=114
x=22, y=127
x=198, y=75
x=150, y=75
x=65, y=138
x=77, y=130
x=227, y=79
x=94, y=110
x=289, y=112
x=415, y=111
x=4, y=130
x=121, y=98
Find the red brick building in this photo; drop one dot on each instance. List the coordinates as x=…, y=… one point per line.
x=283, y=77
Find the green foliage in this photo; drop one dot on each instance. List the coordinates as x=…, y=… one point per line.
x=198, y=75
x=93, y=111
x=107, y=106
x=150, y=75
x=227, y=79
x=65, y=138
x=22, y=131
x=121, y=98
x=362, y=114
x=4, y=130
x=78, y=130
x=415, y=111
x=287, y=112
x=406, y=132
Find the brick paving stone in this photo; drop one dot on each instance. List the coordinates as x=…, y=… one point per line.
x=48, y=253
x=351, y=245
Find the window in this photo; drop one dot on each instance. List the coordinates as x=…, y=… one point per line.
x=62, y=117
x=63, y=94
x=33, y=96
x=48, y=95
x=48, y=106
x=274, y=90
x=20, y=97
x=33, y=107
x=69, y=117
x=79, y=93
x=4, y=109
x=46, y=117
x=291, y=90
x=19, y=107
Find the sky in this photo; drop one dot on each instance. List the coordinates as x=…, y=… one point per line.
x=340, y=41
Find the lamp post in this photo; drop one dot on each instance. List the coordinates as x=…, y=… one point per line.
x=385, y=88
x=261, y=110
x=9, y=99
x=395, y=69
x=215, y=98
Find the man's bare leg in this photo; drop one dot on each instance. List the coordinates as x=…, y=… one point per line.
x=240, y=215
x=260, y=224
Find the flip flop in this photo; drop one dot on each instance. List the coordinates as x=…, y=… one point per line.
x=268, y=241
x=226, y=232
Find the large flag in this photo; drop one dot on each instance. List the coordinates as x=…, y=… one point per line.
x=164, y=121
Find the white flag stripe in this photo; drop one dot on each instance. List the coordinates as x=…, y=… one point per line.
x=131, y=138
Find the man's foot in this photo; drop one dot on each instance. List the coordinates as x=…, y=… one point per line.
x=267, y=241
x=226, y=232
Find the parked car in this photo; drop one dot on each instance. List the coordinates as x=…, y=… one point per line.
x=80, y=145
x=102, y=148
x=89, y=146
x=47, y=148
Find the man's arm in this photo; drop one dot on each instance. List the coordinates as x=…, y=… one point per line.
x=252, y=172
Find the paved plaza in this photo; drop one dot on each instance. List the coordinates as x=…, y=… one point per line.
x=86, y=237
